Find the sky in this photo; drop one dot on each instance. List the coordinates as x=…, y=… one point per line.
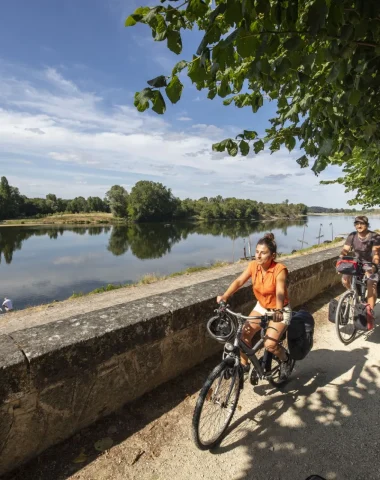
x=68, y=73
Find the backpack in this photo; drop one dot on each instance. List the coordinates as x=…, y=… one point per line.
x=300, y=335
x=332, y=309
x=360, y=316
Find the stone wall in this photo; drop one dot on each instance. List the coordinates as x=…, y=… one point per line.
x=59, y=377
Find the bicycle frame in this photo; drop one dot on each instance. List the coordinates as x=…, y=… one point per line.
x=232, y=351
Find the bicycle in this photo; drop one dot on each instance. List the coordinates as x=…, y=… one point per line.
x=224, y=384
x=345, y=310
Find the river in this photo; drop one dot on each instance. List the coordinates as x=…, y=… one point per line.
x=40, y=264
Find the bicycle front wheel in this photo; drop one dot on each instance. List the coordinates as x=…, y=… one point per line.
x=216, y=406
x=344, y=317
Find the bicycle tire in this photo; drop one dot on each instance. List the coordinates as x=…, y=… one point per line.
x=223, y=373
x=338, y=318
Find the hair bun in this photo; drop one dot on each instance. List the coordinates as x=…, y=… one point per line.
x=269, y=236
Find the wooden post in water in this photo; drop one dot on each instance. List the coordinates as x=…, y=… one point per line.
x=303, y=236
x=320, y=236
x=332, y=231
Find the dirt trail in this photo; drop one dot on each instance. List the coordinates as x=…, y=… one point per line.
x=326, y=421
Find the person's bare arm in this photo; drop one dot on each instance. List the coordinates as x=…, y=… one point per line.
x=280, y=289
x=345, y=250
x=235, y=285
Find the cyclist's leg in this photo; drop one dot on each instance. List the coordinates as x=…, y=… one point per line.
x=249, y=331
x=275, y=332
x=372, y=293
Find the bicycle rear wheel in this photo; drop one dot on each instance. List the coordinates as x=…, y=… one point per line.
x=344, y=317
x=216, y=405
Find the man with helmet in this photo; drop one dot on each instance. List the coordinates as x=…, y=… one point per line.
x=366, y=246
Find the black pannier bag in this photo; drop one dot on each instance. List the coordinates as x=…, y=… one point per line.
x=360, y=317
x=300, y=335
x=332, y=309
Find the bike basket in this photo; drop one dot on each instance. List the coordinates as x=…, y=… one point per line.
x=347, y=267
x=221, y=328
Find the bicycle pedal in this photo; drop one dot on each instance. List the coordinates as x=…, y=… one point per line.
x=254, y=378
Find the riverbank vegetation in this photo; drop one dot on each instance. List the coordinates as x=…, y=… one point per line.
x=146, y=202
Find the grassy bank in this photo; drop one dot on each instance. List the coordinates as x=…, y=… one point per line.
x=67, y=219
x=149, y=278
x=100, y=218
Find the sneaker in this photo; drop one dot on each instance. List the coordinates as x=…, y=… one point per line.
x=286, y=368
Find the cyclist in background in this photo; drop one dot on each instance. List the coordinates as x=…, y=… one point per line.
x=366, y=246
x=269, y=280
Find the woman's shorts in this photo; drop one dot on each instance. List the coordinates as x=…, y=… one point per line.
x=260, y=309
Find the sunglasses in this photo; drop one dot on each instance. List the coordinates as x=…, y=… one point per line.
x=359, y=223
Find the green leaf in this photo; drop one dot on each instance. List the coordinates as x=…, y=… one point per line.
x=158, y=103
x=316, y=16
x=221, y=146
x=290, y=143
x=130, y=21
x=246, y=45
x=142, y=98
x=232, y=148
x=334, y=73
x=303, y=161
x=319, y=165
x=250, y=134
x=196, y=72
x=174, y=41
x=354, y=97
x=174, y=89
x=233, y=13
x=292, y=43
x=228, y=101
x=179, y=67
x=158, y=82
x=196, y=9
x=244, y=148
x=258, y=146
x=346, y=32
x=224, y=88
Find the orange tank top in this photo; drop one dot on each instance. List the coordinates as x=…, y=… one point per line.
x=264, y=286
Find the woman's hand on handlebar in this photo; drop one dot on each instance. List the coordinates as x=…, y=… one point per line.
x=221, y=298
x=277, y=316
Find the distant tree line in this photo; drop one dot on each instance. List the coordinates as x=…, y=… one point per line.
x=336, y=210
x=147, y=201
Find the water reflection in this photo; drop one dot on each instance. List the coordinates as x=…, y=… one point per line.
x=146, y=241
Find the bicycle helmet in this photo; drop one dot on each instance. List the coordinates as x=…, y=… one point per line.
x=221, y=328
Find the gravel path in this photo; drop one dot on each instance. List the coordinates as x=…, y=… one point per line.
x=326, y=421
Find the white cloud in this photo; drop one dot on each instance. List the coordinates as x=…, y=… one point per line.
x=184, y=119
x=47, y=116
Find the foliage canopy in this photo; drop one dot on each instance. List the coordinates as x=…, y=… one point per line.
x=318, y=59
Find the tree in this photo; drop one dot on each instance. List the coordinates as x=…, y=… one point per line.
x=318, y=59
x=117, y=197
x=151, y=201
x=362, y=175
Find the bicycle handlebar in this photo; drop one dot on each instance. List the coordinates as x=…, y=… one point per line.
x=223, y=307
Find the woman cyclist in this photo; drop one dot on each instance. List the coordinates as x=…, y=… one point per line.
x=366, y=246
x=269, y=280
